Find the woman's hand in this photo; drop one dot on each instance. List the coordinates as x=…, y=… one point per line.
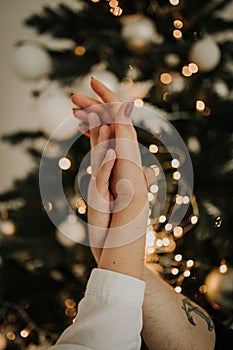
x=99, y=196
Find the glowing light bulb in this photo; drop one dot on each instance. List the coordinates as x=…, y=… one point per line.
x=189, y=263
x=153, y=148
x=186, y=273
x=178, y=289
x=178, y=231
x=151, y=250
x=116, y=11
x=89, y=170
x=175, y=163
x=178, y=24
x=165, y=241
x=162, y=218
x=25, y=333
x=177, y=34
x=223, y=268
x=174, y=2
x=178, y=257
x=79, y=50
x=185, y=199
x=113, y=3
x=138, y=103
x=176, y=175
x=64, y=163
x=218, y=221
x=168, y=227
x=200, y=105
x=166, y=78
x=154, y=188
x=159, y=242
x=194, y=219
x=174, y=271
x=150, y=196
x=193, y=68
x=186, y=72
x=179, y=199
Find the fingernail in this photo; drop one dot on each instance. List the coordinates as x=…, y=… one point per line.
x=128, y=109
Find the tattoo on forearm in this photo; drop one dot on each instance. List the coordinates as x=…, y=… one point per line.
x=188, y=307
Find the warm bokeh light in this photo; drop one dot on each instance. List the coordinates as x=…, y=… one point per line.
x=64, y=163
x=174, y=2
x=178, y=231
x=178, y=289
x=186, y=72
x=117, y=11
x=200, y=105
x=175, y=163
x=193, y=68
x=178, y=257
x=178, y=24
x=166, y=78
x=79, y=50
x=194, y=219
x=176, y=175
x=153, y=148
x=177, y=34
x=138, y=103
x=162, y=218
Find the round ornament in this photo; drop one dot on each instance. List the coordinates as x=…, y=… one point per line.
x=70, y=231
x=177, y=84
x=32, y=61
x=139, y=32
x=206, y=54
x=221, y=88
x=54, y=111
x=172, y=59
x=106, y=77
x=220, y=289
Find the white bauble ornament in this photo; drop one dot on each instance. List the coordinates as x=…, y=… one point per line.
x=221, y=88
x=220, y=289
x=131, y=91
x=70, y=231
x=139, y=31
x=172, y=59
x=31, y=61
x=206, y=54
x=99, y=71
x=55, y=109
x=177, y=84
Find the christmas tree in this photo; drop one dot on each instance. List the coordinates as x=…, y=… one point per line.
x=175, y=57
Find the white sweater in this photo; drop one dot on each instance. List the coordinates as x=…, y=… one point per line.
x=109, y=316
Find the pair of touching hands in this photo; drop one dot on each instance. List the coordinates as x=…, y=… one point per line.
x=117, y=194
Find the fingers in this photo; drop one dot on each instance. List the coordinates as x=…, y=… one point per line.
x=105, y=169
x=104, y=93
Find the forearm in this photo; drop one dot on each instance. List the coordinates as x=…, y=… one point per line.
x=125, y=243
x=171, y=321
